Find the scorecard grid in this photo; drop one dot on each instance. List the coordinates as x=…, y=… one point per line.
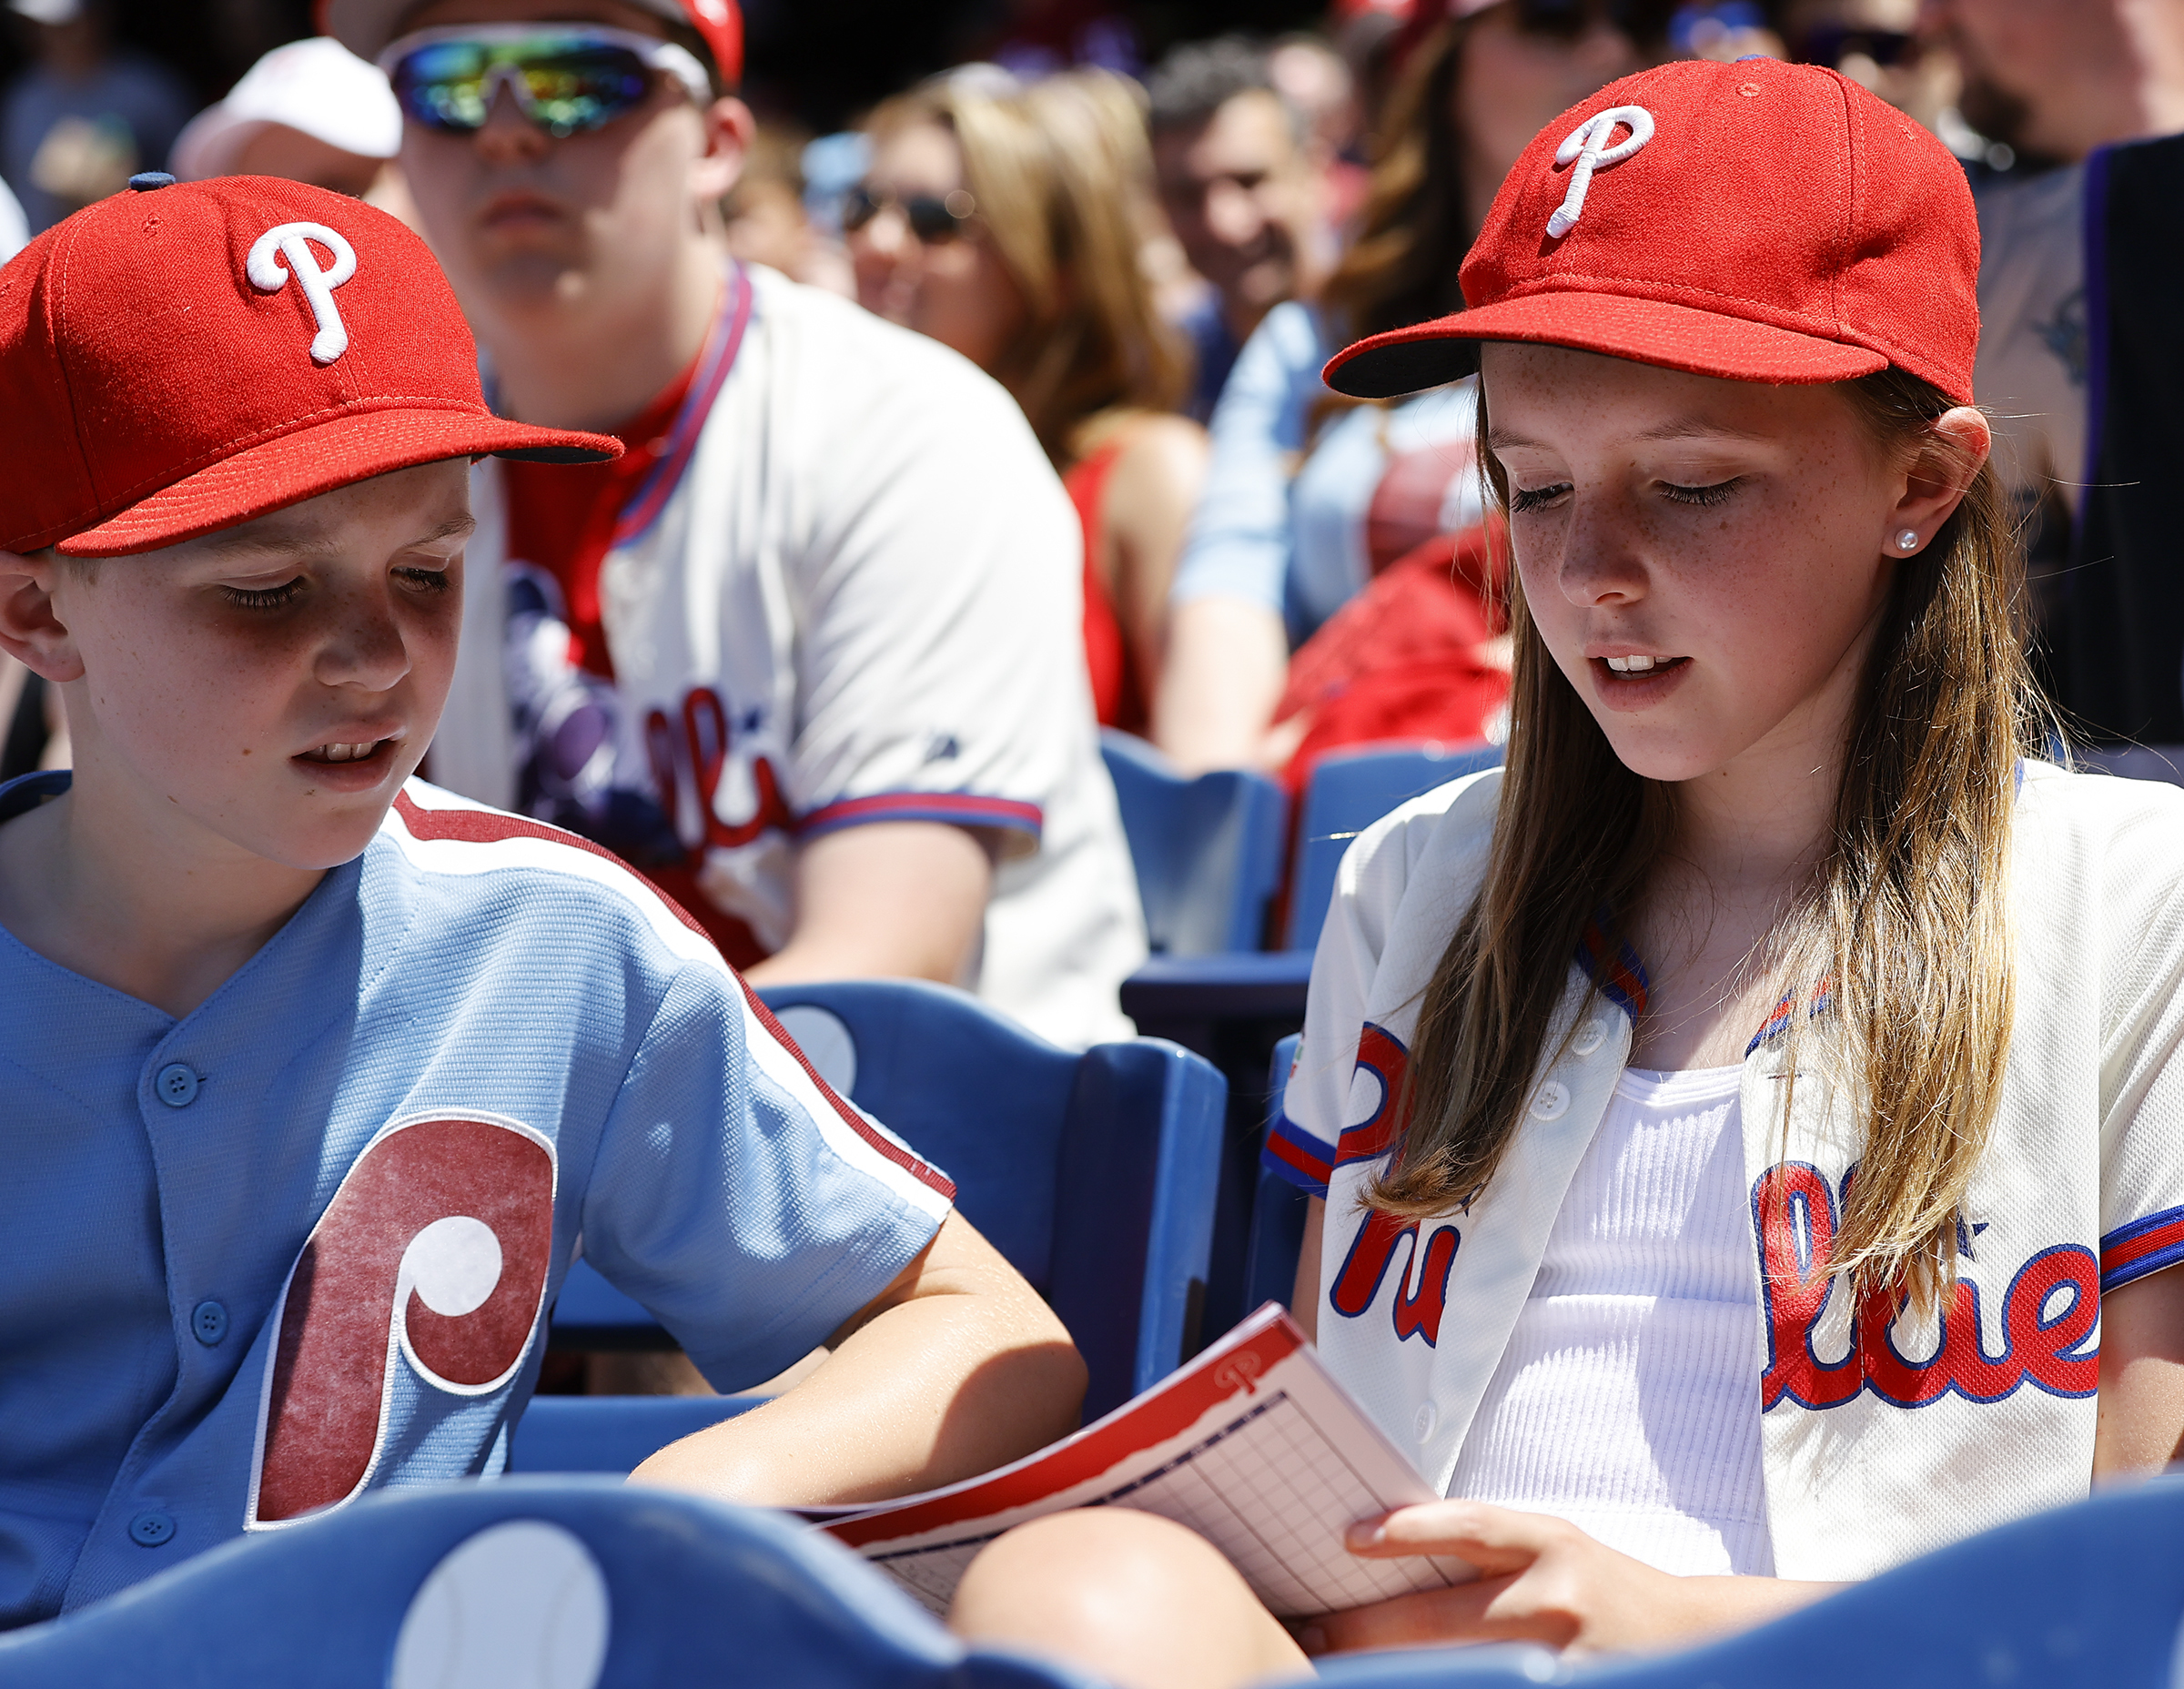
x=1261, y=1489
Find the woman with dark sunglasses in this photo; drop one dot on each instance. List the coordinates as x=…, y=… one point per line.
x=1007, y=223
x=1310, y=496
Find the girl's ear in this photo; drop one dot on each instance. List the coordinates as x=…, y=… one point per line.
x=1956, y=446
x=29, y=629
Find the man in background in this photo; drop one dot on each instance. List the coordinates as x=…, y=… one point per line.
x=2044, y=82
x=84, y=116
x=809, y=652
x=1242, y=183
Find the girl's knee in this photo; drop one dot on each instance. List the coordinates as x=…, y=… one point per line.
x=1094, y=1560
x=1143, y=1601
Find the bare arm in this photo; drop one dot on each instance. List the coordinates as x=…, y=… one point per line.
x=1146, y=510
x=1228, y=660
x=888, y=900
x=956, y=1367
x=1304, y=1301
x=2141, y=1424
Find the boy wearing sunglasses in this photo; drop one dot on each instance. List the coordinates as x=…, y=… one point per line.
x=807, y=653
x=315, y=1077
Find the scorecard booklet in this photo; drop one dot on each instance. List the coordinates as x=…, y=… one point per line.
x=1253, y=1445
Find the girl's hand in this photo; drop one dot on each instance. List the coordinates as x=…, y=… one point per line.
x=1539, y=1579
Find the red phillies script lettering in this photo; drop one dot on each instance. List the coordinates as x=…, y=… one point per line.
x=1382, y=1054
x=1422, y=1289
x=452, y=1214
x=2050, y=1309
x=702, y=748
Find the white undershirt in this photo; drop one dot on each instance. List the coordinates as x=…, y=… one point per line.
x=1627, y=1400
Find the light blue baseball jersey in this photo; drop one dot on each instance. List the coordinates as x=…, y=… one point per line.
x=301, y=1243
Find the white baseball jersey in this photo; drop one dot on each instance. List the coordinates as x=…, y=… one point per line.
x=1881, y=1438
x=301, y=1243
x=851, y=593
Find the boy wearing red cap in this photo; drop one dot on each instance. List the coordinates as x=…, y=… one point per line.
x=318, y=1078
x=809, y=653
x=1742, y=1132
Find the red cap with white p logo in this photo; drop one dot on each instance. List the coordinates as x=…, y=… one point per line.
x=185, y=357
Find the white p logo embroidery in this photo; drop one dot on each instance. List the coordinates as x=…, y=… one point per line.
x=291, y=241
x=1588, y=145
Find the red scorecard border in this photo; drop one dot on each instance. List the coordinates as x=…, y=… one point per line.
x=1166, y=1411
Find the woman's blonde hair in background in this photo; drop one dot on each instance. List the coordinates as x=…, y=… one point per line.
x=1061, y=172
x=1904, y=927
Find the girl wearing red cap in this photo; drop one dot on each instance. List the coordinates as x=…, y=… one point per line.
x=1743, y=1128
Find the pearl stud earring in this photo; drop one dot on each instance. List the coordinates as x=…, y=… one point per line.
x=1907, y=540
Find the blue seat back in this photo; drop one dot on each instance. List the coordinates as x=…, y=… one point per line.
x=1095, y=1174
x=1278, y=1208
x=2088, y=1596
x=571, y=1584
x=2133, y=762
x=1207, y=851
x=1347, y=794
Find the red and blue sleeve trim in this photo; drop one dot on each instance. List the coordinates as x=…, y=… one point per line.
x=1295, y=1155
x=2145, y=1245
x=961, y=809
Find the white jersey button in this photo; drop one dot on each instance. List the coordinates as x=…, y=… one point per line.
x=1550, y=1101
x=1590, y=1037
x=1426, y=1419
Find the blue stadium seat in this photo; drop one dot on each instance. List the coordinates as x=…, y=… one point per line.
x=1093, y=1174
x=1207, y=851
x=2133, y=762
x=2088, y=1596
x=527, y=1584
x=1347, y=794
x=1277, y=1209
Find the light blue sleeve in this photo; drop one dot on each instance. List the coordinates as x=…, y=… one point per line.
x=747, y=1214
x=1241, y=539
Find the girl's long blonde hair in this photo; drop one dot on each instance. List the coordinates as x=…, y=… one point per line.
x=1061, y=171
x=1905, y=931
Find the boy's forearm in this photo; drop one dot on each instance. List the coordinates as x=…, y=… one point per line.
x=938, y=1388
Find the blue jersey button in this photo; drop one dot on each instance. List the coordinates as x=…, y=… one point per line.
x=208, y=1320
x=177, y=1086
x=153, y=1528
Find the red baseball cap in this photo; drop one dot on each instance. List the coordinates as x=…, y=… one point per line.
x=366, y=27
x=1757, y=221
x=185, y=357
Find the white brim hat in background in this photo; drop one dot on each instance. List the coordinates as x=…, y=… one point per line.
x=317, y=86
x=54, y=12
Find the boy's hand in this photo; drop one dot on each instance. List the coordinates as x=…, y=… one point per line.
x=1539, y=1579
x=956, y=1367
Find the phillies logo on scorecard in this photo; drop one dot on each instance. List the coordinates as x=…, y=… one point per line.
x=434, y=1253
x=2048, y=1315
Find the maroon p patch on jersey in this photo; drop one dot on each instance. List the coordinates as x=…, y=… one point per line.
x=437, y=1244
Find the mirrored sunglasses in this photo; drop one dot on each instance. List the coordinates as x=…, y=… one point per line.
x=932, y=219
x=564, y=80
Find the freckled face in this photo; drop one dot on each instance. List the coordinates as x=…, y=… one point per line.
x=273, y=685
x=1704, y=560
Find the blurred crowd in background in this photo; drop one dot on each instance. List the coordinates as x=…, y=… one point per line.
x=1145, y=221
